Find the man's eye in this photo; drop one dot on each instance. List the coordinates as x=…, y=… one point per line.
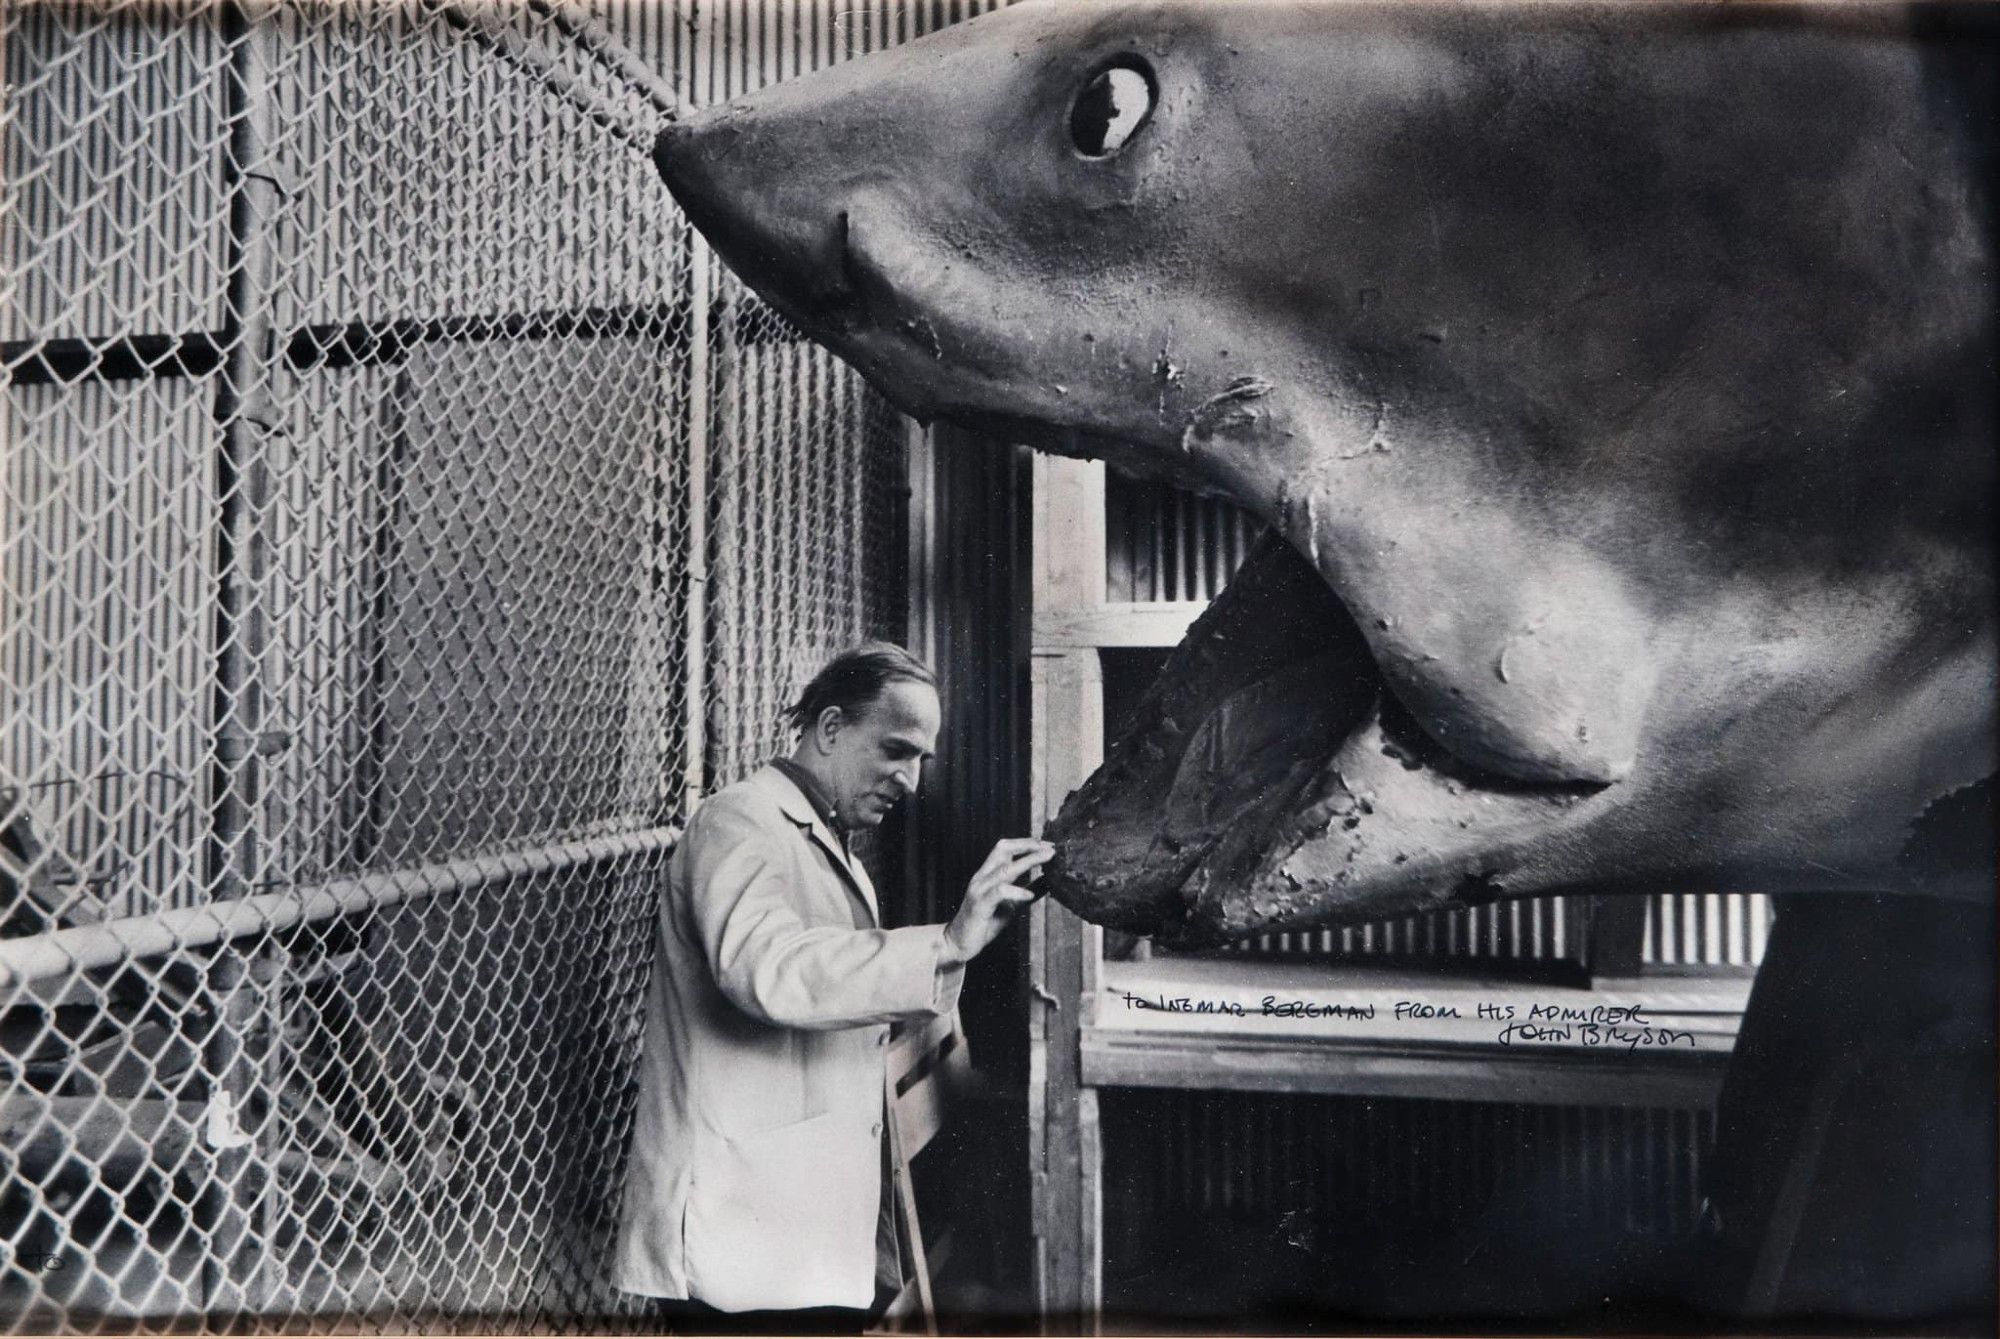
x=1111, y=109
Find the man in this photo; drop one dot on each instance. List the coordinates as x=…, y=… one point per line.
x=755, y=1195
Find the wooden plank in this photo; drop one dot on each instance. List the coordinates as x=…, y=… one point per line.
x=920, y=1112
x=920, y=470
x=1090, y=1204
x=909, y=1046
x=940, y=1251
x=920, y=1266
x=1061, y=1177
x=1067, y=733
x=1069, y=533
x=1068, y=689
x=1302, y=1003
x=1684, y=1079
x=1371, y=1030
x=1126, y=624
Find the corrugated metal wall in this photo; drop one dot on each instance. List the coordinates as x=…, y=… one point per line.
x=1239, y=1204
x=1163, y=544
x=115, y=202
x=122, y=773
x=977, y=533
x=761, y=42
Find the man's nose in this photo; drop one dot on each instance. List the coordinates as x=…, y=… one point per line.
x=907, y=776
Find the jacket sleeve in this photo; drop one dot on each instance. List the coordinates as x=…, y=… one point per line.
x=778, y=969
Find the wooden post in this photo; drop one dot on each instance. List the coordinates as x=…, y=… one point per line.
x=920, y=635
x=920, y=472
x=1068, y=740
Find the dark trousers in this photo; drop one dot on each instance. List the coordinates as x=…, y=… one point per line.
x=693, y=1317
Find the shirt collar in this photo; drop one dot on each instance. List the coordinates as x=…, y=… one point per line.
x=815, y=794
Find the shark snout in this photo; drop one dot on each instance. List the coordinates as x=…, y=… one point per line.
x=692, y=154
x=780, y=224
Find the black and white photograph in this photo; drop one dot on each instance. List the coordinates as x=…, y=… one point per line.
x=1168, y=667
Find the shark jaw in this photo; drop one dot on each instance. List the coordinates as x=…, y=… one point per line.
x=1272, y=781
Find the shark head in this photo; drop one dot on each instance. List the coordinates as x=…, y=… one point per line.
x=1616, y=384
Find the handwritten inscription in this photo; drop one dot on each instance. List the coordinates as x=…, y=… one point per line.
x=1532, y=1023
x=1596, y=1034
x=1269, y=1007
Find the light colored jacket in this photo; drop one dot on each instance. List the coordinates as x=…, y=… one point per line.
x=755, y=1173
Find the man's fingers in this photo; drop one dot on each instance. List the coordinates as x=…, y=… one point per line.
x=1004, y=897
x=1027, y=860
x=1010, y=899
x=1015, y=853
x=1023, y=868
x=1012, y=846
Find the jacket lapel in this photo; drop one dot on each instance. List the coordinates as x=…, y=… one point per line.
x=799, y=809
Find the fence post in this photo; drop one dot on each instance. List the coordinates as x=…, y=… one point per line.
x=694, y=779
x=245, y=417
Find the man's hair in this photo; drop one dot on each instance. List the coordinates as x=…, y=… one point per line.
x=854, y=679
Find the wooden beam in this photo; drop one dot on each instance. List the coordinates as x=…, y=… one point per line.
x=1068, y=708
x=920, y=471
x=1069, y=533
x=1121, y=624
x=1067, y=713
x=1338, y=1029
x=1119, y=1058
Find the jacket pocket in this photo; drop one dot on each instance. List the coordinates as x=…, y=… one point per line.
x=759, y=1088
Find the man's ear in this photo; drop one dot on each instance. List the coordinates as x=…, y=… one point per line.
x=827, y=728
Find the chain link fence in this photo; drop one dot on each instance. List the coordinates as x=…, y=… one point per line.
x=403, y=521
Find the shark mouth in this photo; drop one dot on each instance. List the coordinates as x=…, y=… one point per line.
x=1271, y=781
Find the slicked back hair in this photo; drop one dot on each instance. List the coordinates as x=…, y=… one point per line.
x=854, y=679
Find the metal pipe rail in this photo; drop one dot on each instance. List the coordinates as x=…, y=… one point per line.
x=197, y=353
x=84, y=947
x=587, y=33
x=488, y=23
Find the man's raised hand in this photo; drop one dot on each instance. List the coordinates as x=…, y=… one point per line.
x=994, y=894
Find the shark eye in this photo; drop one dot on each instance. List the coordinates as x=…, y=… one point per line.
x=1111, y=108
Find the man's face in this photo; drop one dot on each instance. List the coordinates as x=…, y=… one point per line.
x=876, y=758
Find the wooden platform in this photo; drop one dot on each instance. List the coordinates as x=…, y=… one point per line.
x=1323, y=1028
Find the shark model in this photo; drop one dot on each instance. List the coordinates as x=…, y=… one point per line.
x=1617, y=380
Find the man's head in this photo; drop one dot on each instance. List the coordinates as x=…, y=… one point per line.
x=866, y=723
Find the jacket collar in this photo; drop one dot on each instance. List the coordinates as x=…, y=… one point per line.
x=792, y=802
